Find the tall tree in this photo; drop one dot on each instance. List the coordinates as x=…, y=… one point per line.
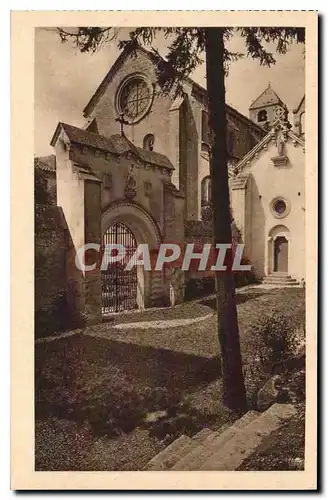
x=186, y=47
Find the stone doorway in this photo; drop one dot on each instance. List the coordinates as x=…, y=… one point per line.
x=280, y=254
x=118, y=286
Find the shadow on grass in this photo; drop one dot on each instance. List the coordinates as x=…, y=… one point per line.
x=113, y=386
x=240, y=299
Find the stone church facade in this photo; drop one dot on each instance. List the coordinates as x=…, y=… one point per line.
x=139, y=170
x=268, y=200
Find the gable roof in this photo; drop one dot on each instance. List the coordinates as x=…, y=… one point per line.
x=257, y=148
x=116, y=144
x=267, y=98
x=155, y=58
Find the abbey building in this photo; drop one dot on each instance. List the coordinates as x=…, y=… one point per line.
x=138, y=172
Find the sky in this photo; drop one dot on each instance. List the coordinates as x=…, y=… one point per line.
x=65, y=80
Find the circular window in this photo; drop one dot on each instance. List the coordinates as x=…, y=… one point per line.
x=280, y=207
x=135, y=98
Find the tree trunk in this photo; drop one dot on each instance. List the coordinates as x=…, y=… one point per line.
x=232, y=376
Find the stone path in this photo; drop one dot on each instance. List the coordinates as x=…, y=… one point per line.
x=162, y=323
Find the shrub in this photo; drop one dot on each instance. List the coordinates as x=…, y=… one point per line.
x=269, y=340
x=199, y=287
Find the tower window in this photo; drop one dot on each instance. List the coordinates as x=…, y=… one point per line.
x=262, y=116
x=205, y=128
x=148, y=142
x=206, y=191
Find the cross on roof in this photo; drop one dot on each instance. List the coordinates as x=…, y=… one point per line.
x=121, y=120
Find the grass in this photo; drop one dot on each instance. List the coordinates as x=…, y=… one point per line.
x=95, y=390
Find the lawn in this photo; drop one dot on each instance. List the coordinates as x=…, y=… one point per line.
x=99, y=392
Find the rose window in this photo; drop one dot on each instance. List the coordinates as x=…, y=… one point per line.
x=135, y=98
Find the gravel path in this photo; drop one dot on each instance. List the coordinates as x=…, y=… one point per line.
x=168, y=323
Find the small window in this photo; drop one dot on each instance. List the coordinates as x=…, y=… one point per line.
x=280, y=207
x=107, y=180
x=205, y=127
x=262, y=116
x=206, y=191
x=147, y=189
x=148, y=142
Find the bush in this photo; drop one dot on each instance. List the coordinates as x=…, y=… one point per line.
x=269, y=340
x=199, y=287
x=52, y=318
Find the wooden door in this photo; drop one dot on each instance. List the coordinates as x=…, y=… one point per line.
x=281, y=254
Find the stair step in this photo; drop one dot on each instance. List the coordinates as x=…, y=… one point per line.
x=232, y=453
x=193, y=459
x=203, y=434
x=168, y=457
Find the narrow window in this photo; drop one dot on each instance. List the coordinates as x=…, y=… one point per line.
x=148, y=142
x=262, y=116
x=205, y=128
x=206, y=191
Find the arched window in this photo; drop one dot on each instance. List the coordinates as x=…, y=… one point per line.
x=262, y=116
x=148, y=142
x=205, y=128
x=206, y=191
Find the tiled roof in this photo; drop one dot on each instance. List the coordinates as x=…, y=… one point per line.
x=116, y=144
x=267, y=98
x=45, y=163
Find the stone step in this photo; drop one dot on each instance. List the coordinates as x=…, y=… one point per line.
x=193, y=459
x=280, y=283
x=246, y=440
x=168, y=457
x=283, y=280
x=279, y=277
x=203, y=434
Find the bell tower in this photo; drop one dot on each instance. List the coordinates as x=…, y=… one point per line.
x=267, y=108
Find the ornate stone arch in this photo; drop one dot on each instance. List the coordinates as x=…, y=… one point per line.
x=145, y=230
x=136, y=218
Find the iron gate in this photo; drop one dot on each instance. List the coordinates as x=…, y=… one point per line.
x=119, y=287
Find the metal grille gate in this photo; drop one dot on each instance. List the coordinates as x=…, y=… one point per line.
x=119, y=287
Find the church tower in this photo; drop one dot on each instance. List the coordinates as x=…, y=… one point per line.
x=267, y=108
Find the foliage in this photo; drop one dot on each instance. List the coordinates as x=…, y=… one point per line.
x=186, y=45
x=52, y=318
x=41, y=194
x=268, y=340
x=199, y=287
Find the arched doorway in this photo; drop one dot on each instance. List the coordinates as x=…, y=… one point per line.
x=138, y=227
x=280, y=258
x=118, y=286
x=278, y=249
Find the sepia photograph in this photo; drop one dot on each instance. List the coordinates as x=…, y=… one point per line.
x=170, y=272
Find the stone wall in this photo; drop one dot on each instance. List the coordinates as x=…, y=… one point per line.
x=51, y=313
